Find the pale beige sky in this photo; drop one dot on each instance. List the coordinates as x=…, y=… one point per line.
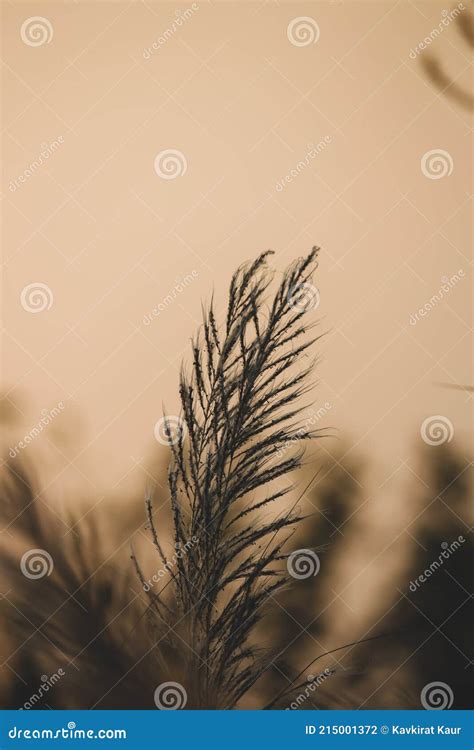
x=244, y=95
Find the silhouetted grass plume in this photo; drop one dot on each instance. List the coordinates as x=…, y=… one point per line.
x=239, y=404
